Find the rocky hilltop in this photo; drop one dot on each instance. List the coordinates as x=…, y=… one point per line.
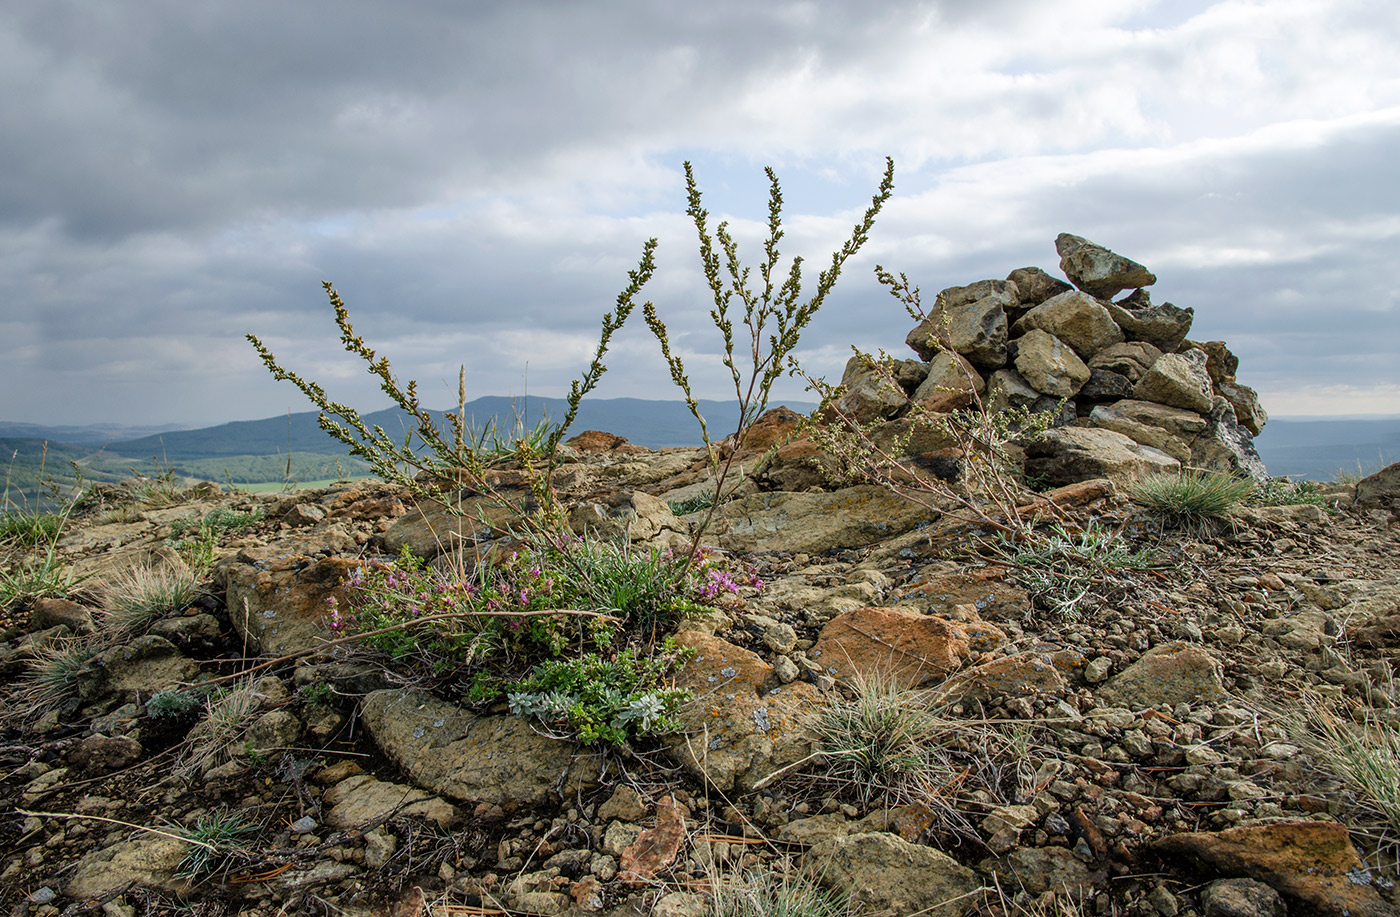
x=1108, y=716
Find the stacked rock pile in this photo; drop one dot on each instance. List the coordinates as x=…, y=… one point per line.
x=1132, y=393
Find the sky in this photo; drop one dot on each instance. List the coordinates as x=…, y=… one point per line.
x=478, y=178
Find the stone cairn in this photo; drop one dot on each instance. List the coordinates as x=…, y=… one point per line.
x=1134, y=395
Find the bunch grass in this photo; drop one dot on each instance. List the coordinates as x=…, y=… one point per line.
x=1192, y=499
x=142, y=594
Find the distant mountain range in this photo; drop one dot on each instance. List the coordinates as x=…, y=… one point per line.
x=293, y=446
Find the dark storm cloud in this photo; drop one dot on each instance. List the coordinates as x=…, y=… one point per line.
x=478, y=178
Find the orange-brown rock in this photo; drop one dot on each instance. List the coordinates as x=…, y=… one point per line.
x=655, y=848
x=591, y=442
x=905, y=646
x=1313, y=861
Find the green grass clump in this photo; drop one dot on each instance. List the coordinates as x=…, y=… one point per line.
x=694, y=504
x=171, y=704
x=216, y=841
x=54, y=677
x=757, y=893
x=140, y=595
x=883, y=742
x=1191, y=499
x=26, y=580
x=1283, y=492
x=1365, y=755
x=28, y=529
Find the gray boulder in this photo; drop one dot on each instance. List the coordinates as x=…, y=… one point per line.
x=1164, y=326
x=869, y=394
x=1068, y=455
x=1098, y=271
x=1007, y=388
x=1245, y=400
x=881, y=872
x=977, y=330
x=454, y=753
x=1075, y=318
x=1226, y=446
x=950, y=383
x=1178, y=380
x=1131, y=359
x=814, y=522
x=1171, y=430
x=1034, y=286
x=1050, y=366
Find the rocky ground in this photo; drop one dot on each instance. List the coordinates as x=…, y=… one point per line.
x=1140, y=748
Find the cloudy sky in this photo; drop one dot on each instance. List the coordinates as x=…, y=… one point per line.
x=477, y=178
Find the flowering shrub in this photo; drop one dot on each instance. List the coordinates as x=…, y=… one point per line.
x=502, y=628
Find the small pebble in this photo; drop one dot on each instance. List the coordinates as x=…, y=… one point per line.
x=304, y=824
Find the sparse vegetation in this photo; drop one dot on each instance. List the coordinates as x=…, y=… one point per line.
x=1061, y=568
x=54, y=676
x=35, y=577
x=146, y=592
x=763, y=893
x=602, y=700
x=1364, y=751
x=217, y=839
x=1191, y=499
x=217, y=737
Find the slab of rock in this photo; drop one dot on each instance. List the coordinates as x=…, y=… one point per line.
x=1245, y=400
x=1172, y=430
x=814, y=523
x=655, y=848
x=905, y=647
x=1029, y=673
x=1105, y=385
x=1068, y=455
x=454, y=753
x=1178, y=380
x=1075, y=318
x=1007, y=388
x=1048, y=365
x=100, y=754
x=1381, y=488
x=1098, y=271
x=628, y=515
x=881, y=872
x=1173, y=673
x=430, y=529
x=1164, y=326
x=1311, y=861
x=139, y=667
x=145, y=861
x=1043, y=869
x=950, y=384
x=1226, y=446
x=739, y=728
x=49, y=612
x=1034, y=286
x=362, y=800
x=984, y=590
x=277, y=600
x=1241, y=898
x=1130, y=358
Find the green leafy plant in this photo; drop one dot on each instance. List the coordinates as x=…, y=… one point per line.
x=1062, y=567
x=139, y=595
x=693, y=505
x=1191, y=499
x=602, y=700
x=773, y=316
x=29, y=528
x=171, y=703
x=1283, y=492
